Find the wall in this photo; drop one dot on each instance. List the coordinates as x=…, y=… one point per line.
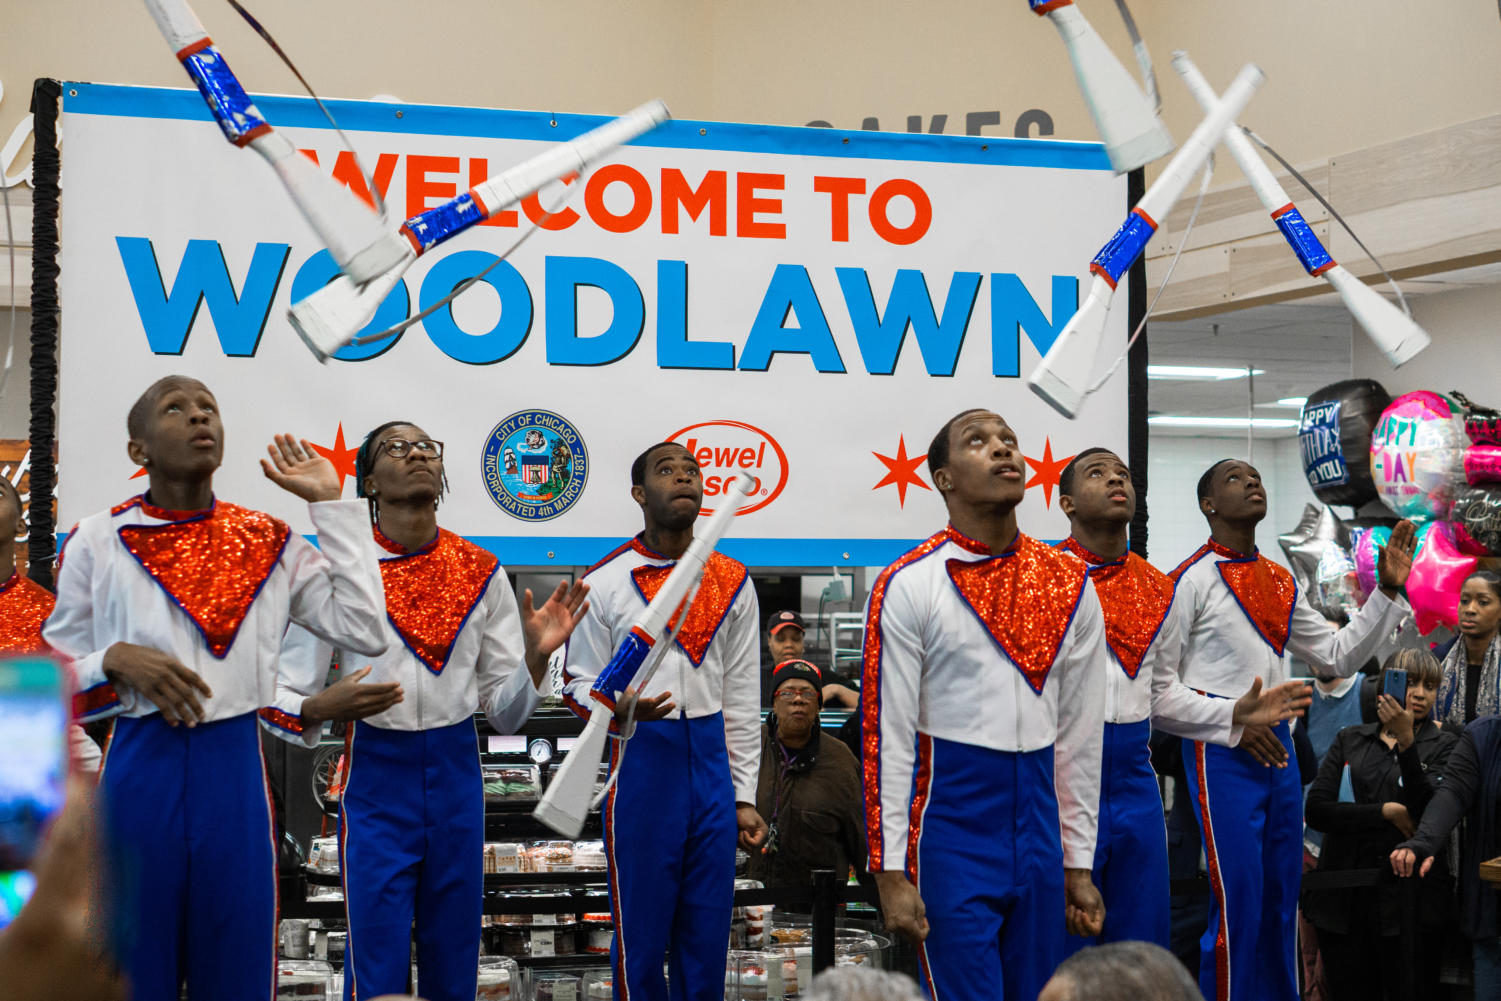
x=1177, y=462
x=1463, y=355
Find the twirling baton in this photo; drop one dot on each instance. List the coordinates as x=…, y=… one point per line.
x=1125, y=117
x=328, y=319
x=566, y=803
x=354, y=234
x=1393, y=331
x=1062, y=377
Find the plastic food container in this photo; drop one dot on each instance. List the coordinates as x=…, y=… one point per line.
x=511, y=783
x=595, y=935
x=323, y=855
x=539, y=940
x=556, y=986
x=753, y=975
x=294, y=938
x=598, y=986
x=589, y=856
x=502, y=856
x=305, y=979
x=499, y=980
x=543, y=907
x=548, y=856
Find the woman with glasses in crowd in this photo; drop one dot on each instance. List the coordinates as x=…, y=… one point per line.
x=1370, y=793
x=412, y=816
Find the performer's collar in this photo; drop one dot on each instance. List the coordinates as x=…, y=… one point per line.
x=392, y=546
x=10, y=582
x=166, y=514
x=963, y=541
x=1094, y=559
x=1221, y=549
x=639, y=545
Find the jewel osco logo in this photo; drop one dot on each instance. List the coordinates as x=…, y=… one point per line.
x=724, y=448
x=534, y=465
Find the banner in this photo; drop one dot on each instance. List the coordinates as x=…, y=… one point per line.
x=805, y=304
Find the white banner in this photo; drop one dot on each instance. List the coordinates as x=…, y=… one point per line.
x=807, y=304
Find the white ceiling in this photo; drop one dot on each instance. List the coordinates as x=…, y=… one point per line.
x=1299, y=346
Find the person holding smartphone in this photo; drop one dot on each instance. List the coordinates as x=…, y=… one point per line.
x=1372, y=788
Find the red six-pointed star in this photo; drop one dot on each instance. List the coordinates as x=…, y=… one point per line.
x=341, y=457
x=1047, y=471
x=901, y=471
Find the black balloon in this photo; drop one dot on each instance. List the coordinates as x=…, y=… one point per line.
x=1477, y=514
x=1335, y=437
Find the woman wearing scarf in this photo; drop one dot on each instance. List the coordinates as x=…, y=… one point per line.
x=1471, y=685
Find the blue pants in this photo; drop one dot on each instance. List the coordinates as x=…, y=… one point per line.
x=670, y=836
x=1130, y=857
x=1251, y=820
x=188, y=816
x=412, y=843
x=985, y=855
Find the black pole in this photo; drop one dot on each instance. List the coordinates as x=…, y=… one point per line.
x=1136, y=378
x=45, y=164
x=825, y=893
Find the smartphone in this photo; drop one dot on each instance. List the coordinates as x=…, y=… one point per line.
x=1394, y=684
x=34, y=716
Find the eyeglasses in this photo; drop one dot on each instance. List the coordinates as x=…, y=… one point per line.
x=398, y=447
x=797, y=695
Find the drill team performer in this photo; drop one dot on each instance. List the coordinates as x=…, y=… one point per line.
x=173, y=606
x=412, y=816
x=1244, y=617
x=1142, y=691
x=688, y=776
x=983, y=711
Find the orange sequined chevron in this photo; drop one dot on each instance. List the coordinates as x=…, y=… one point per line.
x=24, y=606
x=1026, y=598
x=430, y=593
x=723, y=579
x=1264, y=591
x=212, y=564
x=1135, y=598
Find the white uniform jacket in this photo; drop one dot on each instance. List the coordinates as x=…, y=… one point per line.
x=1142, y=627
x=1245, y=616
x=214, y=590
x=713, y=664
x=456, y=648
x=947, y=665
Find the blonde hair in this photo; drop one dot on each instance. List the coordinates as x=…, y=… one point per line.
x=1420, y=665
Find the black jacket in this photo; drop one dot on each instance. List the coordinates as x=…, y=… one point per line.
x=1356, y=836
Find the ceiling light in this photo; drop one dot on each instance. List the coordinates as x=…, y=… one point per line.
x=1199, y=372
x=1292, y=401
x=1259, y=423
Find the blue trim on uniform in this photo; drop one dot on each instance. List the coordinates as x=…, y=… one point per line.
x=440, y=120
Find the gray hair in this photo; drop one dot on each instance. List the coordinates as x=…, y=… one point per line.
x=857, y=983
x=1127, y=971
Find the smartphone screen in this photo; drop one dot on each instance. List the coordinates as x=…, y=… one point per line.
x=33, y=768
x=1395, y=685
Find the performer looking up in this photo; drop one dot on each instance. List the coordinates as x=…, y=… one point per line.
x=983, y=715
x=688, y=775
x=1142, y=691
x=412, y=815
x=173, y=606
x=1244, y=619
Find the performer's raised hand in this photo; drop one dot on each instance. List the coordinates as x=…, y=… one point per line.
x=1395, y=561
x=547, y=628
x=1263, y=745
x=902, y=906
x=170, y=686
x=1268, y=707
x=347, y=699
x=297, y=468
x=1083, y=908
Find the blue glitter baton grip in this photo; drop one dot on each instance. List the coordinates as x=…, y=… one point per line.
x=1124, y=247
x=237, y=115
x=621, y=670
x=1040, y=7
x=427, y=229
x=1301, y=238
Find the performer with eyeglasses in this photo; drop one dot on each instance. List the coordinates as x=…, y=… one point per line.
x=809, y=788
x=412, y=816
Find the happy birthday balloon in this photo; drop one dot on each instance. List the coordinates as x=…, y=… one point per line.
x=1417, y=455
x=1477, y=520
x=1334, y=434
x=1437, y=573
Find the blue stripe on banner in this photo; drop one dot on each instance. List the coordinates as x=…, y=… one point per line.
x=438, y=120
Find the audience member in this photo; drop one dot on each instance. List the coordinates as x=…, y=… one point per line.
x=857, y=983
x=1370, y=793
x=785, y=634
x=1121, y=971
x=1471, y=684
x=809, y=788
x=1471, y=791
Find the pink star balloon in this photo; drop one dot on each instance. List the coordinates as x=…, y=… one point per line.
x=1437, y=573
